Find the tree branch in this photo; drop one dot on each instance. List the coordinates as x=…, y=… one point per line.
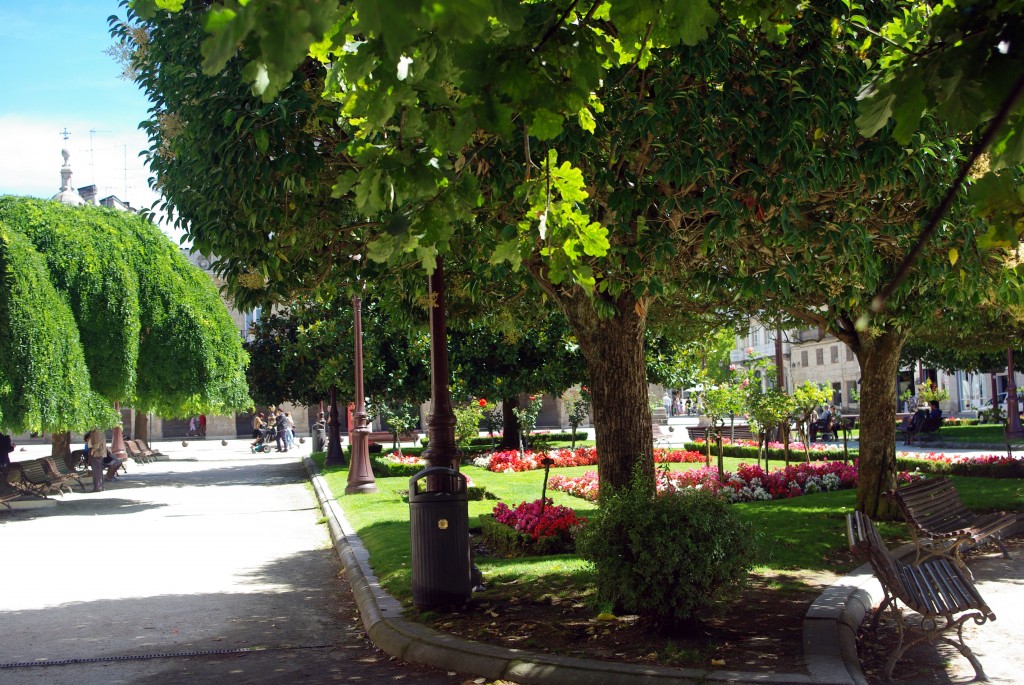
x=554, y=27
x=986, y=140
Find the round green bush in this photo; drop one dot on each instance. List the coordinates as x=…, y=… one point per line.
x=672, y=557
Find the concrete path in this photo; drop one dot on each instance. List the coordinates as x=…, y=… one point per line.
x=217, y=550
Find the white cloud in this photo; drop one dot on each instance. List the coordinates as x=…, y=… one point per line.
x=30, y=160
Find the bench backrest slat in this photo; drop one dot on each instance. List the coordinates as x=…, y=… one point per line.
x=936, y=587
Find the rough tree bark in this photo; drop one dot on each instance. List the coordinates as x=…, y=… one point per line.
x=879, y=359
x=614, y=352
x=509, y=423
x=60, y=446
x=141, y=431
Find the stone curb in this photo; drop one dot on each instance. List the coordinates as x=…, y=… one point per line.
x=829, y=635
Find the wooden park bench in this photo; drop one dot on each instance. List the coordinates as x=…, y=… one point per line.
x=742, y=432
x=925, y=428
x=941, y=525
x=34, y=477
x=58, y=468
x=141, y=454
x=939, y=591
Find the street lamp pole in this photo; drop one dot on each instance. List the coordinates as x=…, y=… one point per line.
x=335, y=457
x=441, y=450
x=360, y=475
x=1013, y=427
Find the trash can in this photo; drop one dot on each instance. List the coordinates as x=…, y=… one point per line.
x=319, y=437
x=439, y=525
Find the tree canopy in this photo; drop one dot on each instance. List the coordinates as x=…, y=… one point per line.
x=626, y=155
x=151, y=328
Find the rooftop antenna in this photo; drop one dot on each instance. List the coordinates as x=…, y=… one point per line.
x=92, y=151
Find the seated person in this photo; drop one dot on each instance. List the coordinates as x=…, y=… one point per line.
x=836, y=421
x=112, y=463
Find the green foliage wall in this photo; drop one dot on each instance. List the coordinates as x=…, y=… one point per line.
x=83, y=257
x=44, y=381
x=153, y=330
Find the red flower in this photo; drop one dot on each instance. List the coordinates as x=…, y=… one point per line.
x=483, y=402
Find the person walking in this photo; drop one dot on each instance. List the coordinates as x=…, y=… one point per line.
x=96, y=441
x=289, y=430
x=282, y=426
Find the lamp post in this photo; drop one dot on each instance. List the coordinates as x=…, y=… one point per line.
x=441, y=450
x=1013, y=427
x=335, y=457
x=360, y=475
x=117, y=445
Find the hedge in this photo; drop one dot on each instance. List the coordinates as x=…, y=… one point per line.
x=750, y=453
x=539, y=436
x=1001, y=469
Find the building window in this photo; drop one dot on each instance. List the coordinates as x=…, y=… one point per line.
x=803, y=357
x=819, y=356
x=835, y=354
x=851, y=387
x=837, y=393
x=849, y=353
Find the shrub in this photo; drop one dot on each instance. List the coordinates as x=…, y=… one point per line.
x=674, y=558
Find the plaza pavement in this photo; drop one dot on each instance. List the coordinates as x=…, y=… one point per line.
x=211, y=566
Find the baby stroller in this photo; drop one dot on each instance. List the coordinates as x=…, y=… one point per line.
x=263, y=443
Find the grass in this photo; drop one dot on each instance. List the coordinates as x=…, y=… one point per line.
x=985, y=433
x=804, y=533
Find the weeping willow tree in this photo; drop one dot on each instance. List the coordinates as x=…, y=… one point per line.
x=44, y=380
x=151, y=329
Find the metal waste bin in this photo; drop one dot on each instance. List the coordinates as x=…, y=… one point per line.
x=319, y=437
x=439, y=524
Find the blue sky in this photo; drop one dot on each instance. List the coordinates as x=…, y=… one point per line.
x=55, y=75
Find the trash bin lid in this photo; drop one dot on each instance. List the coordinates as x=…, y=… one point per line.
x=456, y=480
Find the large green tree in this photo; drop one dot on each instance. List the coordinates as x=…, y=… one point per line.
x=590, y=146
x=44, y=381
x=153, y=329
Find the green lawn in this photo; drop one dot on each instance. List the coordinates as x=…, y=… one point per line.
x=805, y=533
x=986, y=433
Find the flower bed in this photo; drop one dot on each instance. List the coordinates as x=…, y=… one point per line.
x=749, y=483
x=527, y=530
x=510, y=461
x=985, y=466
x=747, y=449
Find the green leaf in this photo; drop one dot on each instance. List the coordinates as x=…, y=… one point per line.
x=875, y=109
x=545, y=124
x=262, y=140
x=696, y=18
x=507, y=251
x=909, y=106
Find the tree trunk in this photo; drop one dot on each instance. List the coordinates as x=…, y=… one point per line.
x=614, y=352
x=879, y=359
x=509, y=424
x=141, y=431
x=60, y=446
x=335, y=455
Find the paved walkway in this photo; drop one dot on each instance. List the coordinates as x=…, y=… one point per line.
x=221, y=553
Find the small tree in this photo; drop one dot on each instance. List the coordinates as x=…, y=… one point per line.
x=806, y=399
x=928, y=392
x=577, y=407
x=398, y=417
x=467, y=423
x=767, y=408
x=527, y=417
x=723, y=400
